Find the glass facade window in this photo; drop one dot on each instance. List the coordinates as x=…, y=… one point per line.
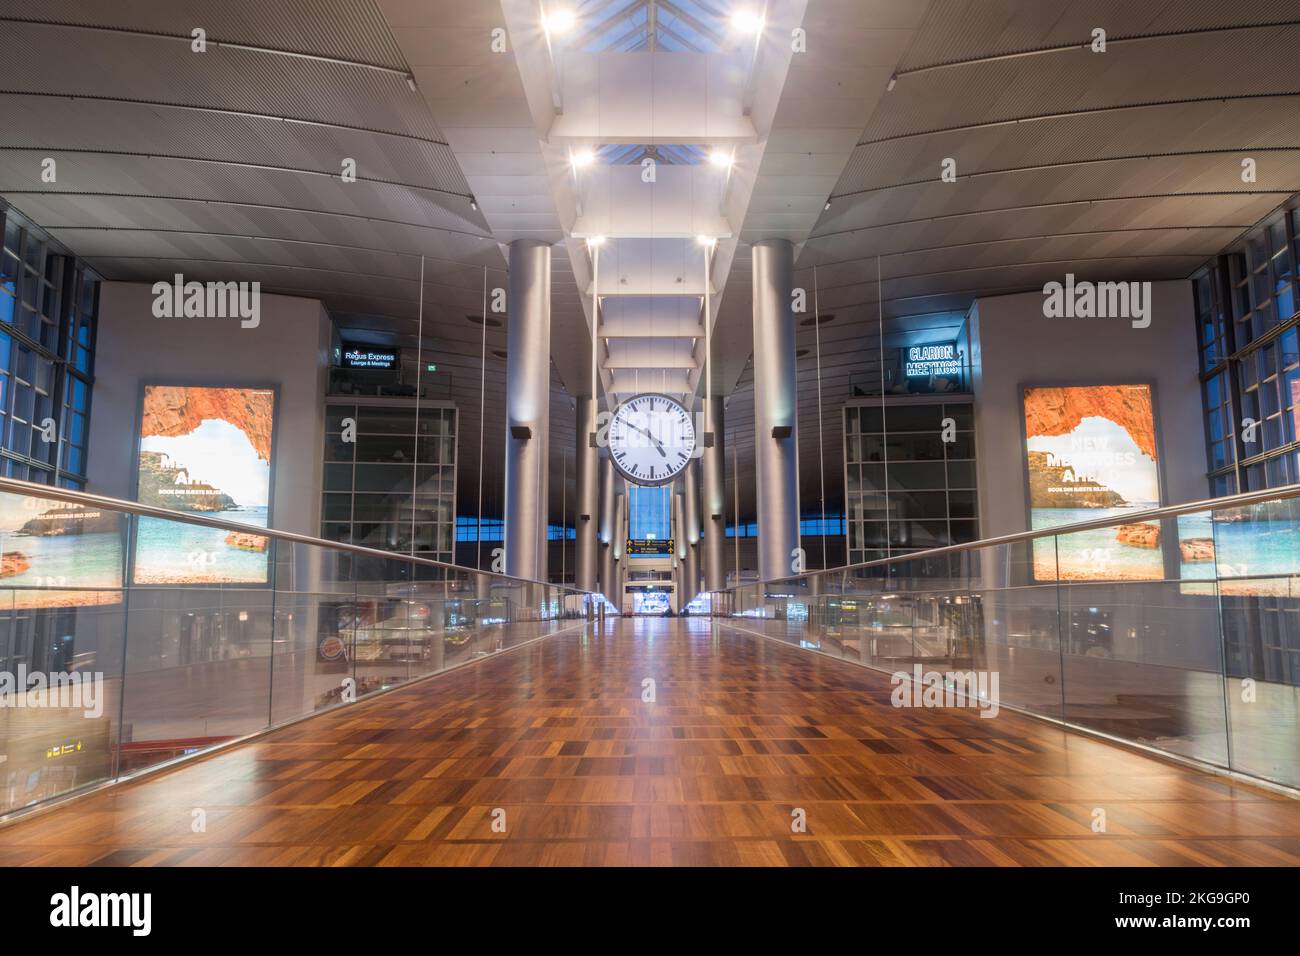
x=905, y=488
x=48, y=304
x=816, y=526
x=1247, y=327
x=649, y=512
x=468, y=529
x=394, y=483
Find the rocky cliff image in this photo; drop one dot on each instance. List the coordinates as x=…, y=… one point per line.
x=165, y=484
x=171, y=410
x=1059, y=411
x=71, y=519
x=1048, y=482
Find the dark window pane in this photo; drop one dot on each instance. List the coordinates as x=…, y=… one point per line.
x=915, y=476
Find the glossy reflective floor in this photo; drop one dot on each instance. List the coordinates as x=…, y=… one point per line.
x=554, y=744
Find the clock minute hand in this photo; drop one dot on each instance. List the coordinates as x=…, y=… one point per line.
x=643, y=431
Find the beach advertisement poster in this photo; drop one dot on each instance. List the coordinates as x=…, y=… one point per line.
x=204, y=450
x=55, y=554
x=1091, y=453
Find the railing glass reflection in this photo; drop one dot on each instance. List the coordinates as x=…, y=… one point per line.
x=1193, y=650
x=101, y=676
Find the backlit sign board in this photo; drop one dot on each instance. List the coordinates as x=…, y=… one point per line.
x=652, y=547
x=926, y=360
x=369, y=357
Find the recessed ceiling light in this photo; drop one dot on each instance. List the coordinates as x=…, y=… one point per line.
x=559, y=21
x=595, y=241
x=747, y=21
x=721, y=158
x=583, y=157
x=706, y=241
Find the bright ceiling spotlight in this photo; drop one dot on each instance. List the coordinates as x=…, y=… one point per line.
x=595, y=242
x=721, y=158
x=706, y=241
x=746, y=21
x=559, y=21
x=583, y=158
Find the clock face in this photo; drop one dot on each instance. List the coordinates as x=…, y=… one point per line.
x=651, y=439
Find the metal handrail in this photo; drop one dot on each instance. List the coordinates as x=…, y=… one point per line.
x=1284, y=493
x=34, y=490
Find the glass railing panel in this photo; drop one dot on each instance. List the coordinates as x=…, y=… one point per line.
x=188, y=635
x=197, y=669
x=1141, y=655
x=1179, y=630
x=786, y=612
x=60, y=680
x=316, y=617
x=61, y=647
x=1257, y=558
x=852, y=614
x=1007, y=626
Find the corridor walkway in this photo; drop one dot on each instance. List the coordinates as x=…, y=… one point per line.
x=555, y=743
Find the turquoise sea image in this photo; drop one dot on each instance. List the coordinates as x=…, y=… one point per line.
x=1262, y=546
x=48, y=545
x=171, y=552
x=1266, y=544
x=1091, y=555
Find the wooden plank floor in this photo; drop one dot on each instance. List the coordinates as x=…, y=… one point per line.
x=742, y=732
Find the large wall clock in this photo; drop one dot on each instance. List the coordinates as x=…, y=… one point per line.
x=651, y=439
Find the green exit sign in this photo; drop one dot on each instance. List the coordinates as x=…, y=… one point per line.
x=431, y=368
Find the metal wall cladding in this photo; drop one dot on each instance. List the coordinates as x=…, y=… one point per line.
x=1154, y=130
x=957, y=30
x=158, y=70
x=142, y=128
x=290, y=190
x=856, y=250
x=1201, y=66
x=345, y=29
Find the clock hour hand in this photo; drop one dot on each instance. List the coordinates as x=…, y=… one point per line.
x=658, y=444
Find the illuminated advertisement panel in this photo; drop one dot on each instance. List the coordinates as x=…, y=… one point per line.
x=1091, y=453
x=54, y=554
x=207, y=451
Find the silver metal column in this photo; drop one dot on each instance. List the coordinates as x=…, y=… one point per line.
x=777, y=458
x=607, y=505
x=528, y=387
x=619, y=546
x=680, y=547
x=691, y=508
x=587, y=516
x=713, y=495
